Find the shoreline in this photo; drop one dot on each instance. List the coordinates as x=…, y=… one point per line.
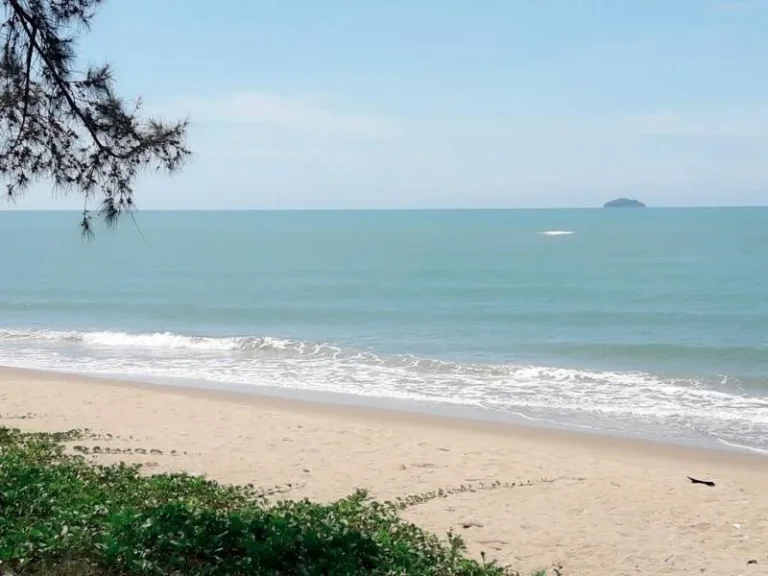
x=439, y=412
x=454, y=417
x=526, y=496
x=685, y=407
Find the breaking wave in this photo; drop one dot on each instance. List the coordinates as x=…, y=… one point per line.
x=675, y=407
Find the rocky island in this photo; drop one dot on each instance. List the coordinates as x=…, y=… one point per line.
x=624, y=203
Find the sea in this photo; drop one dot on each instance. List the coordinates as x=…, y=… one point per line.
x=649, y=323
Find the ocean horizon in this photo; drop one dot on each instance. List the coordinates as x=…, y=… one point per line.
x=646, y=322
x=12, y=209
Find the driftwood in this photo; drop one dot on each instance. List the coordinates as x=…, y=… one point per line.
x=697, y=481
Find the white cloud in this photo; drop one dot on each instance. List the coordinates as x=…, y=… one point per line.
x=287, y=112
x=744, y=123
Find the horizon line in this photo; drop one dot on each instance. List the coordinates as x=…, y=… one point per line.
x=456, y=209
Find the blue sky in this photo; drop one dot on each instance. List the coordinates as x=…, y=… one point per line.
x=426, y=103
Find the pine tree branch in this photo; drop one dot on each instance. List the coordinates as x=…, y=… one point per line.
x=27, y=86
x=68, y=125
x=26, y=20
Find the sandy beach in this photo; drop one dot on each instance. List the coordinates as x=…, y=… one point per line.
x=596, y=505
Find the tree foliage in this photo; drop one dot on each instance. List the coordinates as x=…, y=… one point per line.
x=69, y=126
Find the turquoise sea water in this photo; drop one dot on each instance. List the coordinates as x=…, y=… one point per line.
x=651, y=322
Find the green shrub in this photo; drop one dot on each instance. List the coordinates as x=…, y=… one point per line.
x=60, y=515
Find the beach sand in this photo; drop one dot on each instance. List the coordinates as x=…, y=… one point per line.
x=598, y=505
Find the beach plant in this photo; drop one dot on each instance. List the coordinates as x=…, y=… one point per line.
x=61, y=515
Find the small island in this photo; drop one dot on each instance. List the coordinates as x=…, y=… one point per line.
x=624, y=203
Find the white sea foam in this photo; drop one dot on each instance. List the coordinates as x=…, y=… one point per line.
x=747, y=448
x=160, y=340
x=611, y=400
x=557, y=233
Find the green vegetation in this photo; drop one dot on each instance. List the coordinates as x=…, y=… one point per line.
x=63, y=516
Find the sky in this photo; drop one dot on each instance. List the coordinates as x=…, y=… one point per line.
x=300, y=104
